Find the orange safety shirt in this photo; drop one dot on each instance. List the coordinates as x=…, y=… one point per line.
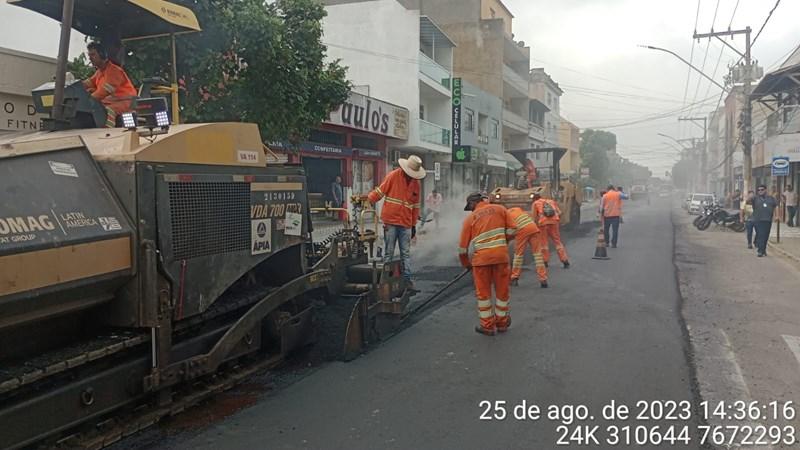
x=538, y=212
x=612, y=204
x=524, y=225
x=487, y=228
x=110, y=84
x=401, y=195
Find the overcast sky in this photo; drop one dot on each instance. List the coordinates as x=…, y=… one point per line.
x=590, y=48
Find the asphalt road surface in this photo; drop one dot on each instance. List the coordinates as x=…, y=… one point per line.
x=605, y=332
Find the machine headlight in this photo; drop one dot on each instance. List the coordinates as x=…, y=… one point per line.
x=129, y=120
x=497, y=196
x=162, y=119
x=531, y=196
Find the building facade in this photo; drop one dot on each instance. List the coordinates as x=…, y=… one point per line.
x=395, y=53
x=487, y=56
x=570, y=138
x=20, y=73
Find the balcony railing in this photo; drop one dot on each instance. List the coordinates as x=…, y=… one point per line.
x=514, y=120
x=434, y=134
x=434, y=70
x=483, y=139
x=515, y=80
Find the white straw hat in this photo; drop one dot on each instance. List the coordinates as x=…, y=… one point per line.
x=412, y=167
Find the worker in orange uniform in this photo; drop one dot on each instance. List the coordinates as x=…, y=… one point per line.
x=400, y=212
x=547, y=216
x=486, y=229
x=526, y=233
x=611, y=209
x=109, y=85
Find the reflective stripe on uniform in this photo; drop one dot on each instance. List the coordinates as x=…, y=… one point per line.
x=491, y=244
x=108, y=87
x=397, y=201
x=482, y=304
x=522, y=220
x=485, y=314
x=462, y=251
x=379, y=192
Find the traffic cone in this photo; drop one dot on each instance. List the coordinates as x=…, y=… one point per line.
x=600, y=250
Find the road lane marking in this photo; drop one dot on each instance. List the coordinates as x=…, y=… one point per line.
x=794, y=345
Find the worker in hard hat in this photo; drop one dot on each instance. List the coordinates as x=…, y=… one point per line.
x=547, y=215
x=486, y=229
x=526, y=233
x=109, y=85
x=400, y=191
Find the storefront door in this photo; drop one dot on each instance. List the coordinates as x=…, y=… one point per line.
x=320, y=174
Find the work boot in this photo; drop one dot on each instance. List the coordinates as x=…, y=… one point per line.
x=479, y=329
x=566, y=264
x=504, y=328
x=411, y=288
x=543, y=284
x=750, y=246
x=515, y=281
x=613, y=245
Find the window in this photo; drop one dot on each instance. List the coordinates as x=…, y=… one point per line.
x=549, y=99
x=495, y=129
x=327, y=137
x=469, y=120
x=365, y=142
x=422, y=112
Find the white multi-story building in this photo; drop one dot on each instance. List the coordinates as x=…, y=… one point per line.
x=396, y=54
x=21, y=72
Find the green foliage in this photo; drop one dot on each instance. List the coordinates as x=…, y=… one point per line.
x=595, y=145
x=598, y=153
x=80, y=67
x=254, y=61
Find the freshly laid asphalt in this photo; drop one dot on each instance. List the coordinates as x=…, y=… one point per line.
x=605, y=331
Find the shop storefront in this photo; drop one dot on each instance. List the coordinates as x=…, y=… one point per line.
x=351, y=144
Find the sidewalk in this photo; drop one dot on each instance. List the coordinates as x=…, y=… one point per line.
x=789, y=245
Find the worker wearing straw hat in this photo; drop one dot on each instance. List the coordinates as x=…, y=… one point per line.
x=400, y=191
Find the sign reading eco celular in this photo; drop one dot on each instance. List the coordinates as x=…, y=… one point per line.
x=456, y=114
x=780, y=166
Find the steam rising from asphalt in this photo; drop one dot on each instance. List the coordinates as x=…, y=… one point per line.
x=439, y=247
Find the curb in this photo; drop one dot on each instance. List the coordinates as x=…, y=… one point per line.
x=783, y=252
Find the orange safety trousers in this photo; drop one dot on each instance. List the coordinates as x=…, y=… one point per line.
x=535, y=242
x=551, y=232
x=484, y=277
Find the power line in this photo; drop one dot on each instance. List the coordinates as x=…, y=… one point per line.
x=778, y=2
x=691, y=55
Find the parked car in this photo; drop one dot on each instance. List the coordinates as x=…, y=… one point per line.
x=698, y=201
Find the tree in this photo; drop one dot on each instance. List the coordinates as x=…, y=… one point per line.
x=682, y=173
x=80, y=68
x=254, y=61
x=594, y=149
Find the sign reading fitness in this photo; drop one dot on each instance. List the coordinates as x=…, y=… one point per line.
x=456, y=113
x=369, y=114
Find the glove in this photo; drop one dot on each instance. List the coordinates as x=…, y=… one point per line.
x=413, y=232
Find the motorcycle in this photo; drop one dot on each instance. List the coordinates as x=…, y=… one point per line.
x=721, y=217
x=708, y=209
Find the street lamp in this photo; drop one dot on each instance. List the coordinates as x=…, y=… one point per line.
x=650, y=47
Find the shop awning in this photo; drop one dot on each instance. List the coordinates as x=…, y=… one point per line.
x=785, y=77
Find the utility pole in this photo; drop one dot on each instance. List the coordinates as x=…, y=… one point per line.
x=747, y=79
x=703, y=179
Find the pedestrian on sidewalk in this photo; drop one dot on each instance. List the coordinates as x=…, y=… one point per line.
x=547, y=215
x=433, y=207
x=790, y=200
x=400, y=212
x=763, y=209
x=526, y=234
x=337, y=195
x=486, y=228
x=736, y=199
x=611, y=213
x=746, y=215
